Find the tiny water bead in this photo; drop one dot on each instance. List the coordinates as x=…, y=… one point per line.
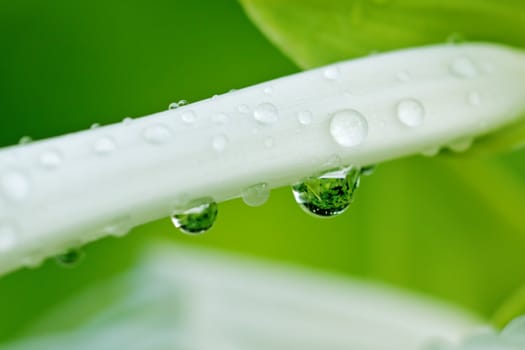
x=219, y=142
x=256, y=195
x=268, y=90
x=329, y=194
x=94, y=126
x=349, y=128
x=24, y=140
x=305, y=117
x=15, y=185
x=175, y=105
x=189, y=117
x=410, y=112
x=463, y=67
x=71, y=258
x=266, y=113
x=157, y=134
x=332, y=73
x=198, y=216
x=127, y=121
x=50, y=159
x=461, y=145
x=368, y=169
x=104, y=145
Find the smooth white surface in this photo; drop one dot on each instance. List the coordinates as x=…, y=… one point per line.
x=76, y=188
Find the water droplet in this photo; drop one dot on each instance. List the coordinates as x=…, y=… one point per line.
x=219, y=142
x=266, y=113
x=15, y=185
x=403, y=76
x=474, y=99
x=198, y=217
x=268, y=90
x=220, y=118
x=94, y=126
x=349, y=128
x=104, y=145
x=50, y=159
x=455, y=38
x=24, y=140
x=430, y=151
x=256, y=195
x=332, y=73
x=118, y=227
x=463, y=67
x=304, y=117
x=127, y=120
x=329, y=194
x=368, y=170
x=69, y=259
x=175, y=105
x=8, y=236
x=269, y=142
x=410, y=112
x=157, y=134
x=243, y=108
x=189, y=117
x=461, y=145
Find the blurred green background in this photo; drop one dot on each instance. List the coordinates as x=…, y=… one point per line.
x=450, y=227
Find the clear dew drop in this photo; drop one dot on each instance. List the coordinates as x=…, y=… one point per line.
x=118, y=227
x=332, y=73
x=243, y=108
x=70, y=258
x=127, y=121
x=464, y=67
x=220, y=118
x=24, y=140
x=94, y=126
x=256, y=195
x=455, y=38
x=410, y=112
x=197, y=217
x=431, y=151
x=175, y=105
x=104, y=145
x=50, y=159
x=368, y=169
x=15, y=185
x=189, y=117
x=9, y=236
x=157, y=134
x=474, y=99
x=305, y=117
x=266, y=113
x=268, y=90
x=329, y=194
x=349, y=128
x=461, y=145
x=219, y=143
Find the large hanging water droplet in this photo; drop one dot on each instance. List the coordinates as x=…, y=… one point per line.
x=349, y=128
x=463, y=67
x=9, y=236
x=410, y=112
x=69, y=259
x=50, y=159
x=266, y=113
x=15, y=185
x=157, y=134
x=198, y=216
x=104, y=145
x=256, y=195
x=332, y=73
x=329, y=194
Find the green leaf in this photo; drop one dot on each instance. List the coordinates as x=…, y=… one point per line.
x=317, y=32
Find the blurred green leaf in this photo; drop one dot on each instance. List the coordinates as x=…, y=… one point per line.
x=451, y=227
x=317, y=32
